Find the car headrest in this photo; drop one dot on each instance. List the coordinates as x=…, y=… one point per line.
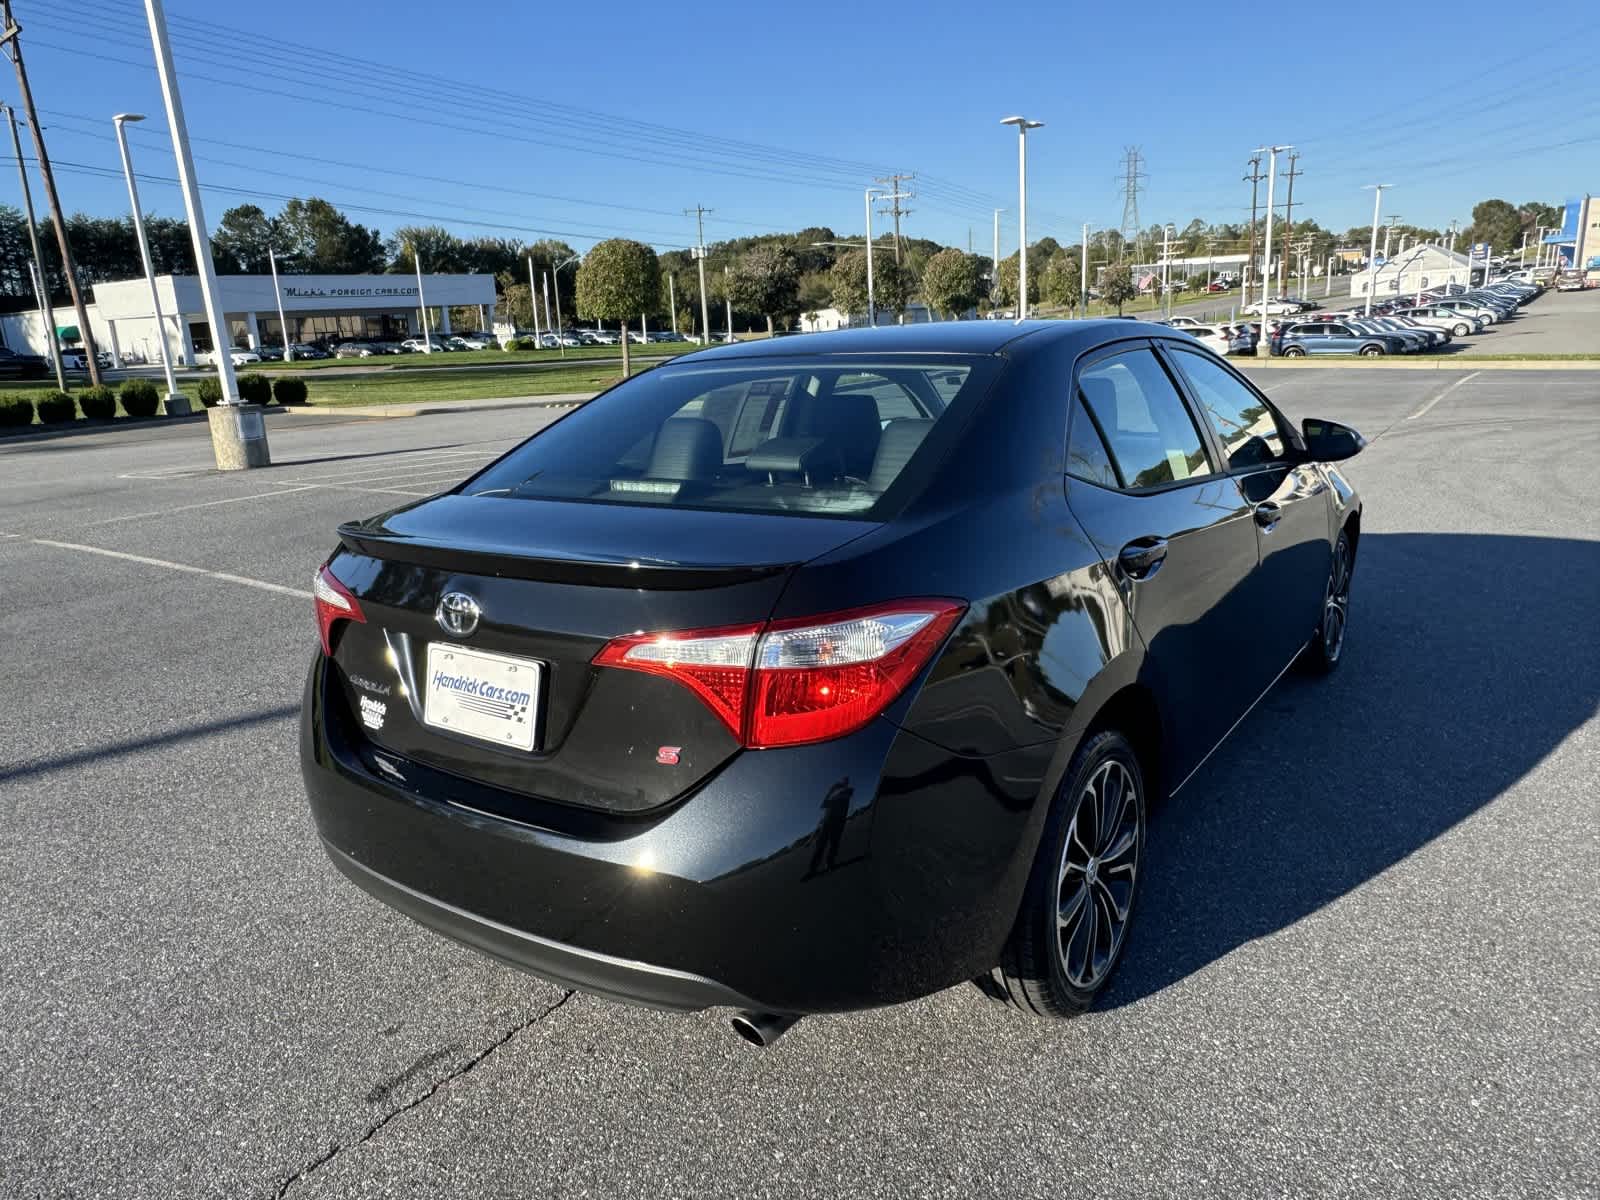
x=788, y=456
x=896, y=444
x=686, y=448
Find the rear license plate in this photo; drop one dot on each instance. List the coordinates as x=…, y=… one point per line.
x=491, y=697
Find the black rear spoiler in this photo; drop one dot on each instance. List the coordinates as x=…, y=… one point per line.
x=507, y=564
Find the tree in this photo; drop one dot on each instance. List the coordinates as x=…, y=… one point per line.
x=847, y=283
x=1005, y=292
x=952, y=282
x=1496, y=222
x=1062, y=283
x=440, y=250
x=319, y=239
x=892, y=284
x=1117, y=287
x=244, y=235
x=766, y=280
x=617, y=279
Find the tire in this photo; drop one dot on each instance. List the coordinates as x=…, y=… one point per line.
x=1326, y=648
x=1294, y=352
x=1372, y=352
x=1463, y=329
x=1051, y=968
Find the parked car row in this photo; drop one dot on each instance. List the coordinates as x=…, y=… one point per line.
x=1416, y=323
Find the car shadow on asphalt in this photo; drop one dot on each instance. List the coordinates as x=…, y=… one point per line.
x=330, y=458
x=1469, y=659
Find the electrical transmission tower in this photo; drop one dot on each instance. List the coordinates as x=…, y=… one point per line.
x=1131, y=179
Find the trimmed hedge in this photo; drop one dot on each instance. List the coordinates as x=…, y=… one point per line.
x=15, y=411
x=289, y=390
x=210, y=391
x=255, y=388
x=98, y=403
x=140, y=398
x=56, y=408
x=511, y=344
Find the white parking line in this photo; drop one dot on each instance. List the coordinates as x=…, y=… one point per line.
x=161, y=512
x=224, y=576
x=1426, y=408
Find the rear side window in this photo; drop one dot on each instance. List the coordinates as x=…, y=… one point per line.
x=1087, y=458
x=828, y=436
x=1148, y=431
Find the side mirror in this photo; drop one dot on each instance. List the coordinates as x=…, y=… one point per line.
x=1329, y=441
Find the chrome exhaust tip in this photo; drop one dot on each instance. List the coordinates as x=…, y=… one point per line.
x=760, y=1028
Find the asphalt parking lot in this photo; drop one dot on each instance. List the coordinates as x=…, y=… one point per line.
x=1366, y=964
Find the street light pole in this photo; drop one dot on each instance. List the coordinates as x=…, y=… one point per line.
x=1372, y=254
x=277, y=295
x=40, y=287
x=176, y=404
x=872, y=304
x=238, y=434
x=555, y=279
x=1264, y=346
x=422, y=301
x=1023, y=125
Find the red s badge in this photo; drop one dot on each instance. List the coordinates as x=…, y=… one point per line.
x=668, y=755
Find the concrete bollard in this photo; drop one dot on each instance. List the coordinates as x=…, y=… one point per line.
x=239, y=437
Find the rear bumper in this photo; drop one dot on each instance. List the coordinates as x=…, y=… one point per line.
x=568, y=966
x=863, y=871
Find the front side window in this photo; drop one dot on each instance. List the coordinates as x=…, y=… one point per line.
x=1148, y=431
x=827, y=436
x=1243, y=422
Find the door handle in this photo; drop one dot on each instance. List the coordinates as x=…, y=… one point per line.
x=1267, y=514
x=1142, y=557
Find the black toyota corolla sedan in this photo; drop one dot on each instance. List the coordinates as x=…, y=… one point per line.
x=808, y=675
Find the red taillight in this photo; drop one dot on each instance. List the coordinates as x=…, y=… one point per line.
x=796, y=680
x=333, y=603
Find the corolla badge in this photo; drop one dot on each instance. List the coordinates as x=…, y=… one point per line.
x=457, y=614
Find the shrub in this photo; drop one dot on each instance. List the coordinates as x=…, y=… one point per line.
x=98, y=403
x=511, y=344
x=255, y=388
x=289, y=390
x=210, y=391
x=15, y=411
x=56, y=407
x=139, y=398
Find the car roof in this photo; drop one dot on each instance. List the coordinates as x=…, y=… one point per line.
x=936, y=337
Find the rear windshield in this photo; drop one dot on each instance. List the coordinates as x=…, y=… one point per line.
x=830, y=436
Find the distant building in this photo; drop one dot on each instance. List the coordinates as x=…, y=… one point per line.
x=317, y=307
x=1416, y=268
x=824, y=320
x=1576, y=245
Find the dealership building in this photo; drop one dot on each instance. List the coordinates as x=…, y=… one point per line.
x=316, y=307
x=1576, y=245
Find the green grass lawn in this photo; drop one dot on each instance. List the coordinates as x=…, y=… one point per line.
x=349, y=390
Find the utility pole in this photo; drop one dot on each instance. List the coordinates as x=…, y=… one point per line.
x=672, y=301
x=1264, y=346
x=1083, y=280
x=13, y=44
x=728, y=296
x=40, y=285
x=1288, y=208
x=894, y=196
x=533, y=303
x=1254, y=180
x=700, y=212
x=994, y=263
x=1389, y=233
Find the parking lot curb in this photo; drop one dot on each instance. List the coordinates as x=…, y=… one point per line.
x=1454, y=363
x=385, y=412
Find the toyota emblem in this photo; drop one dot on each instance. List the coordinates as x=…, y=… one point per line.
x=457, y=614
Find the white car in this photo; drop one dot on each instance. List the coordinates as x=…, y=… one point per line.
x=1212, y=337
x=1183, y=322
x=1458, y=323
x=240, y=356
x=473, y=341
x=1272, y=308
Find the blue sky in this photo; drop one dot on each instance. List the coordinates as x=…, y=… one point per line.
x=507, y=120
